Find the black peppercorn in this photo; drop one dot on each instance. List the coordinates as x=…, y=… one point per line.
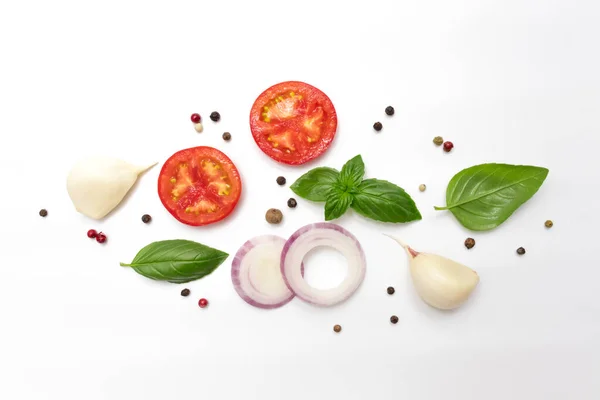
x=389, y=110
x=146, y=218
x=292, y=203
x=377, y=126
x=394, y=319
x=391, y=290
x=281, y=180
x=215, y=116
x=469, y=243
x=337, y=328
x=185, y=292
x=227, y=136
x=43, y=212
x=520, y=251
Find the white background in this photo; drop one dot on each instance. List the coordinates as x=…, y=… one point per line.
x=506, y=81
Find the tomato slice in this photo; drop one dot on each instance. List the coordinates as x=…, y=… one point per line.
x=199, y=185
x=293, y=122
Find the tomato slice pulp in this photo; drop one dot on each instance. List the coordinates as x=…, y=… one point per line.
x=293, y=122
x=199, y=185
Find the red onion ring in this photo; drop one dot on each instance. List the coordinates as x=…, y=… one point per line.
x=322, y=234
x=256, y=274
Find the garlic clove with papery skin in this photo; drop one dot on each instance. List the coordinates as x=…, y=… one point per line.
x=96, y=185
x=440, y=282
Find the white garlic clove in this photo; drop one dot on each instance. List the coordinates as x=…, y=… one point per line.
x=97, y=185
x=440, y=282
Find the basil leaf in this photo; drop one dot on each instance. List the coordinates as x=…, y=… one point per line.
x=316, y=183
x=384, y=201
x=484, y=196
x=352, y=172
x=337, y=204
x=176, y=261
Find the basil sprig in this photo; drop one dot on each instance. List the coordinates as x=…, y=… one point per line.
x=373, y=198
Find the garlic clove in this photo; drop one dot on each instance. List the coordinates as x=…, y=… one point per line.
x=96, y=185
x=440, y=282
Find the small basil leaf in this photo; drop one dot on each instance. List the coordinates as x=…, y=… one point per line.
x=176, y=261
x=352, y=172
x=337, y=204
x=316, y=183
x=484, y=196
x=384, y=201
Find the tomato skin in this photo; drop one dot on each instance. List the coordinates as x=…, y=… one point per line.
x=199, y=187
x=300, y=141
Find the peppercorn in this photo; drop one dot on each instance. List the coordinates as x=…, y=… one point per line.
x=273, y=216
x=43, y=212
x=520, y=251
x=281, y=180
x=227, y=136
x=215, y=116
x=198, y=127
x=377, y=126
x=394, y=319
x=389, y=110
x=292, y=203
x=448, y=146
x=196, y=118
x=185, y=292
x=92, y=233
x=422, y=187
x=469, y=243
x=146, y=218
x=549, y=224
x=337, y=328
x=202, y=303
x=391, y=290
x=438, y=140
x=101, y=238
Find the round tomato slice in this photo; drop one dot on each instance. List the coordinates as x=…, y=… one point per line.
x=199, y=186
x=293, y=122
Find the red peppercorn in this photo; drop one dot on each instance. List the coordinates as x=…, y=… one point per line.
x=92, y=233
x=448, y=146
x=203, y=303
x=101, y=238
x=196, y=118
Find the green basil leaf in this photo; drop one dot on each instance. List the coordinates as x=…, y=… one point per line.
x=176, y=261
x=384, y=201
x=316, y=183
x=337, y=204
x=352, y=172
x=484, y=196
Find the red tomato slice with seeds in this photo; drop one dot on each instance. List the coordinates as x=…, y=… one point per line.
x=199, y=186
x=293, y=122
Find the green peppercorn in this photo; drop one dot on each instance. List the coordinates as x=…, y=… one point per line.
x=146, y=218
x=520, y=251
x=391, y=290
x=438, y=140
x=185, y=292
x=394, y=319
x=389, y=110
x=549, y=224
x=215, y=116
x=281, y=180
x=292, y=203
x=227, y=136
x=469, y=243
x=43, y=212
x=377, y=126
x=337, y=328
